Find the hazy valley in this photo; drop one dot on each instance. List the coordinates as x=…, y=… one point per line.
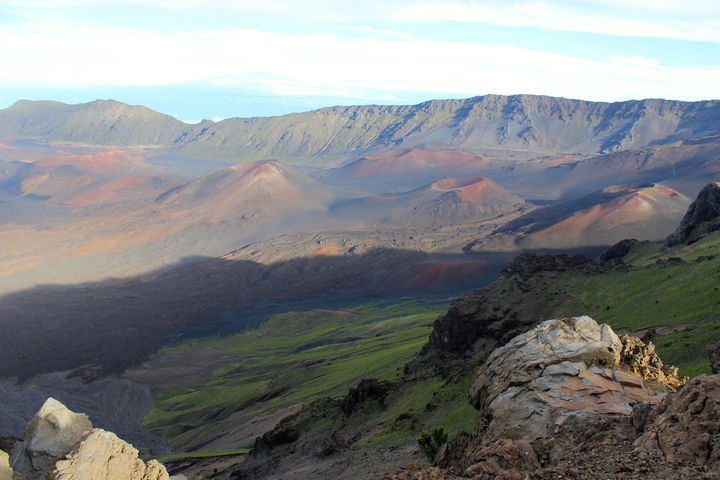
x=131, y=240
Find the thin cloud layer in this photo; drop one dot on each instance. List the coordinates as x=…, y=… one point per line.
x=348, y=50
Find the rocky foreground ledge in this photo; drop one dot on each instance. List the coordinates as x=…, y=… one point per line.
x=62, y=445
x=572, y=400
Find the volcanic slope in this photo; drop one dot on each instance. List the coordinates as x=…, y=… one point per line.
x=247, y=188
x=602, y=218
x=677, y=164
x=102, y=122
x=84, y=179
x=450, y=201
x=522, y=123
x=413, y=161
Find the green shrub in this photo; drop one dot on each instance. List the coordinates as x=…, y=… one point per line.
x=430, y=442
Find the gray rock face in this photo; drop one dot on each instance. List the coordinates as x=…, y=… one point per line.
x=523, y=359
x=714, y=356
x=62, y=445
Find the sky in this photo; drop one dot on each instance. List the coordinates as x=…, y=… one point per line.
x=197, y=59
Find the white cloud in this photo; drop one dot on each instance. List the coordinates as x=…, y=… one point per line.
x=330, y=64
x=675, y=19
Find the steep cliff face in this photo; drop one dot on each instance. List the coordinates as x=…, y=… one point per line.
x=702, y=217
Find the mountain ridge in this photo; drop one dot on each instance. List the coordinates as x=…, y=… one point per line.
x=519, y=123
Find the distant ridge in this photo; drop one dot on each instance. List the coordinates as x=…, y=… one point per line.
x=524, y=123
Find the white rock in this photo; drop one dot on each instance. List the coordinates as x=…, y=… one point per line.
x=6, y=472
x=103, y=456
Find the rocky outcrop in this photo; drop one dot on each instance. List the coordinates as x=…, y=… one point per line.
x=522, y=297
x=714, y=357
x=102, y=455
x=50, y=435
x=62, y=445
x=619, y=250
x=367, y=389
x=686, y=426
x=702, y=217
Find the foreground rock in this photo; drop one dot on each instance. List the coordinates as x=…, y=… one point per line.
x=567, y=399
x=686, y=427
x=61, y=445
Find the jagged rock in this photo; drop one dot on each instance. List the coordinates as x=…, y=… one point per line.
x=641, y=359
x=527, y=265
x=6, y=472
x=502, y=455
x=483, y=320
x=367, y=388
x=685, y=427
x=280, y=435
x=62, y=445
x=87, y=373
x=702, y=217
x=619, y=250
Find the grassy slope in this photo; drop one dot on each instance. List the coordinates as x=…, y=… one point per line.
x=680, y=301
x=290, y=358
x=310, y=355
x=684, y=298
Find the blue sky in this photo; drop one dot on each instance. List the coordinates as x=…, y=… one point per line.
x=199, y=59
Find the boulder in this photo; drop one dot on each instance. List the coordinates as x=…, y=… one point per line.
x=102, y=455
x=561, y=369
x=51, y=434
x=62, y=445
x=685, y=427
x=524, y=358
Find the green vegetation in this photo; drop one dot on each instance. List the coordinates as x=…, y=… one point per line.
x=680, y=300
x=310, y=358
x=217, y=453
x=430, y=442
x=289, y=359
